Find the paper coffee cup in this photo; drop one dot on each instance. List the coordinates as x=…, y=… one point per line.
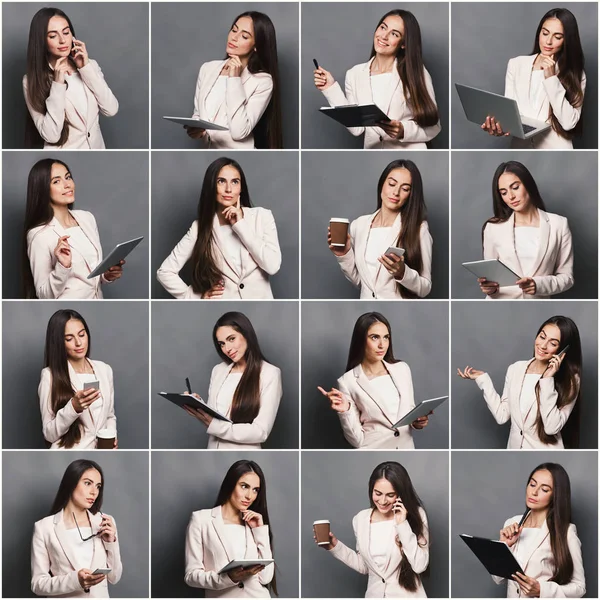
x=105, y=439
x=339, y=231
x=322, y=532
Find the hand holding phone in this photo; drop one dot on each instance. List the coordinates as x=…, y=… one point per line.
x=101, y=571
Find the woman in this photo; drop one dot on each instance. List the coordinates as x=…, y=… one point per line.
x=548, y=84
x=241, y=92
x=60, y=246
x=244, y=387
x=233, y=246
x=236, y=528
x=396, y=80
x=71, y=413
x=76, y=539
x=392, y=537
x=540, y=394
x=400, y=220
x=546, y=542
x=64, y=89
x=527, y=239
x=376, y=391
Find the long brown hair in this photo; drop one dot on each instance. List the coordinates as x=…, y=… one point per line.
x=55, y=358
x=570, y=62
x=411, y=70
x=246, y=398
x=413, y=213
x=39, y=73
x=205, y=272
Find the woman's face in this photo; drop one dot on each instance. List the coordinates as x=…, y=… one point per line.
x=377, y=343
x=513, y=192
x=62, y=186
x=229, y=187
x=539, y=490
x=396, y=189
x=59, y=38
x=240, y=40
x=76, y=339
x=245, y=491
x=389, y=36
x=547, y=343
x=552, y=37
x=232, y=343
x=384, y=496
x=86, y=492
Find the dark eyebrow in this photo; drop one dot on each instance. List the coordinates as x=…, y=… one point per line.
x=56, y=30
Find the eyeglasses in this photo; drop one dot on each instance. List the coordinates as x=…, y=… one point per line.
x=79, y=530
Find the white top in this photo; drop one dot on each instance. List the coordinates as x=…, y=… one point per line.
x=225, y=396
x=536, y=88
x=528, y=391
x=216, y=97
x=237, y=537
x=379, y=541
x=83, y=550
x=233, y=246
x=527, y=543
x=388, y=393
x=96, y=406
x=380, y=88
x=81, y=241
x=376, y=246
x=527, y=243
x=76, y=92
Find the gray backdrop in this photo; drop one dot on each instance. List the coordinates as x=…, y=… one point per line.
x=341, y=36
x=30, y=482
x=115, y=35
x=183, y=347
x=568, y=184
x=272, y=183
x=420, y=338
x=488, y=488
x=112, y=186
x=194, y=33
x=345, y=185
x=490, y=336
x=119, y=337
x=335, y=486
x=485, y=36
x=184, y=482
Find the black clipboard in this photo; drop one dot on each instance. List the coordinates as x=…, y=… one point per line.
x=495, y=556
x=356, y=115
x=182, y=399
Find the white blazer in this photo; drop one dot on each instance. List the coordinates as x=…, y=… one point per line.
x=54, y=566
x=84, y=129
x=383, y=582
x=208, y=549
x=50, y=278
x=248, y=436
x=246, y=100
x=261, y=257
x=508, y=406
x=518, y=79
x=366, y=424
x=553, y=268
x=55, y=425
x=397, y=107
x=539, y=564
x=383, y=285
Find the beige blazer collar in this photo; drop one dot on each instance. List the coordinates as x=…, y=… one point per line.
x=365, y=93
x=219, y=525
x=63, y=538
x=543, y=534
x=363, y=542
x=220, y=379
x=219, y=242
x=521, y=371
x=87, y=230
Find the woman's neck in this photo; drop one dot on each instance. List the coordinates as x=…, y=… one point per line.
x=382, y=64
x=239, y=366
x=537, y=367
x=528, y=217
x=63, y=216
x=373, y=368
x=377, y=516
x=79, y=365
x=536, y=518
x=230, y=513
x=80, y=514
x=222, y=219
x=385, y=218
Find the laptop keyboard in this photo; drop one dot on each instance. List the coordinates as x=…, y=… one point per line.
x=527, y=128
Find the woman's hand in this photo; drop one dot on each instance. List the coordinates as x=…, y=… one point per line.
x=527, y=285
x=547, y=64
x=393, y=264
x=83, y=398
x=79, y=54
x=421, y=422
x=323, y=79
x=199, y=414
x=87, y=580
x=528, y=586
x=553, y=365
x=107, y=527
x=400, y=512
x=394, y=129
x=116, y=444
x=338, y=401
x=487, y=287
x=337, y=250
x=511, y=534
x=470, y=373
x=62, y=67
x=241, y=573
x=195, y=132
x=115, y=272
x=493, y=127
x=233, y=214
x=214, y=292
x=332, y=541
x=63, y=252
x=253, y=519
x=234, y=66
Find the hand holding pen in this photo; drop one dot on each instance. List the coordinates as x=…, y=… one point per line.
x=323, y=79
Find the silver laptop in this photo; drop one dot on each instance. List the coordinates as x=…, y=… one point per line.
x=479, y=104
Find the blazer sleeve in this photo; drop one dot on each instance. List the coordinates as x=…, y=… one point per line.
x=350, y=420
x=509, y=80
x=93, y=78
x=244, y=113
x=567, y=115
x=54, y=426
x=350, y=557
x=562, y=279
x=412, y=280
x=347, y=262
x=195, y=573
x=113, y=558
x=49, y=276
x=258, y=431
x=499, y=406
x=414, y=132
x=261, y=539
x=197, y=95
x=42, y=582
x=416, y=550
x=50, y=123
x=264, y=249
x=168, y=272
x=111, y=419
x=553, y=418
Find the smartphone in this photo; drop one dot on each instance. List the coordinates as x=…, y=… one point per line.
x=91, y=384
x=315, y=63
x=563, y=351
x=393, y=250
x=101, y=571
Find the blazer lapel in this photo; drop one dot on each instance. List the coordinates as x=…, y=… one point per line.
x=101, y=377
x=363, y=542
x=86, y=415
x=221, y=246
x=401, y=387
x=523, y=82
x=360, y=249
x=543, y=534
x=99, y=556
x=369, y=389
x=219, y=525
x=364, y=95
x=507, y=231
x=544, y=238
x=394, y=84
x=221, y=380
x=391, y=241
x=211, y=79
x=90, y=234
x=63, y=538
x=520, y=381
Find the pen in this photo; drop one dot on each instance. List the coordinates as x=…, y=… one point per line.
x=316, y=63
x=524, y=517
x=187, y=384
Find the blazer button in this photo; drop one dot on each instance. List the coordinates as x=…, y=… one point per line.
x=521, y=432
x=88, y=134
x=396, y=433
x=382, y=580
x=241, y=286
x=240, y=585
x=373, y=294
x=381, y=138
